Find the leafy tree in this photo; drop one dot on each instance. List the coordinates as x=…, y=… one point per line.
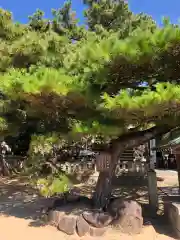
x=38, y=23
x=65, y=22
x=119, y=81
x=115, y=16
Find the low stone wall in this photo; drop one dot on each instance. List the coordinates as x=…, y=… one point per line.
x=76, y=215
x=172, y=212
x=128, y=168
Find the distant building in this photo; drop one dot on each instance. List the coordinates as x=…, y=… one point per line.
x=167, y=149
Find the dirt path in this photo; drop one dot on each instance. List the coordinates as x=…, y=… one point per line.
x=19, y=210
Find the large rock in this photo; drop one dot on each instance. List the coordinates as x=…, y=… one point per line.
x=98, y=219
x=97, y=232
x=127, y=216
x=78, y=217
x=82, y=227
x=67, y=224
x=68, y=218
x=73, y=209
x=54, y=217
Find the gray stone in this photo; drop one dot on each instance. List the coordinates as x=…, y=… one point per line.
x=82, y=227
x=98, y=219
x=97, y=232
x=64, y=216
x=120, y=207
x=127, y=216
x=67, y=224
x=129, y=224
x=53, y=217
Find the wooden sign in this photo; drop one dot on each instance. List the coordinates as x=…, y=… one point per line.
x=103, y=161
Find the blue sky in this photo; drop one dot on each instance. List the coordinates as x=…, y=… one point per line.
x=156, y=8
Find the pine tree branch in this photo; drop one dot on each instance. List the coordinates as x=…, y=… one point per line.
x=137, y=138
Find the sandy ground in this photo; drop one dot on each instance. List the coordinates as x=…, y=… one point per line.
x=20, y=207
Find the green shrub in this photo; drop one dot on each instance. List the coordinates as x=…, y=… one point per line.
x=41, y=149
x=52, y=185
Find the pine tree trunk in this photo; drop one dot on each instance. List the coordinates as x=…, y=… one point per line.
x=104, y=184
x=103, y=189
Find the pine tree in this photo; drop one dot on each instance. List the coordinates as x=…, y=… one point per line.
x=119, y=80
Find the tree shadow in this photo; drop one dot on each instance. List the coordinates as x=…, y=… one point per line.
x=161, y=226
x=19, y=200
x=140, y=194
x=73, y=209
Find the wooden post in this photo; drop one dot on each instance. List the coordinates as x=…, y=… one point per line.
x=178, y=167
x=152, y=191
x=152, y=144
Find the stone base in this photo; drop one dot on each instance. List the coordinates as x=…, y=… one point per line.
x=77, y=216
x=127, y=216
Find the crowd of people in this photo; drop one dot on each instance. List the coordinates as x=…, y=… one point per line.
x=166, y=161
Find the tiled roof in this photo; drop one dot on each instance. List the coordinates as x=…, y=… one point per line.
x=168, y=141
